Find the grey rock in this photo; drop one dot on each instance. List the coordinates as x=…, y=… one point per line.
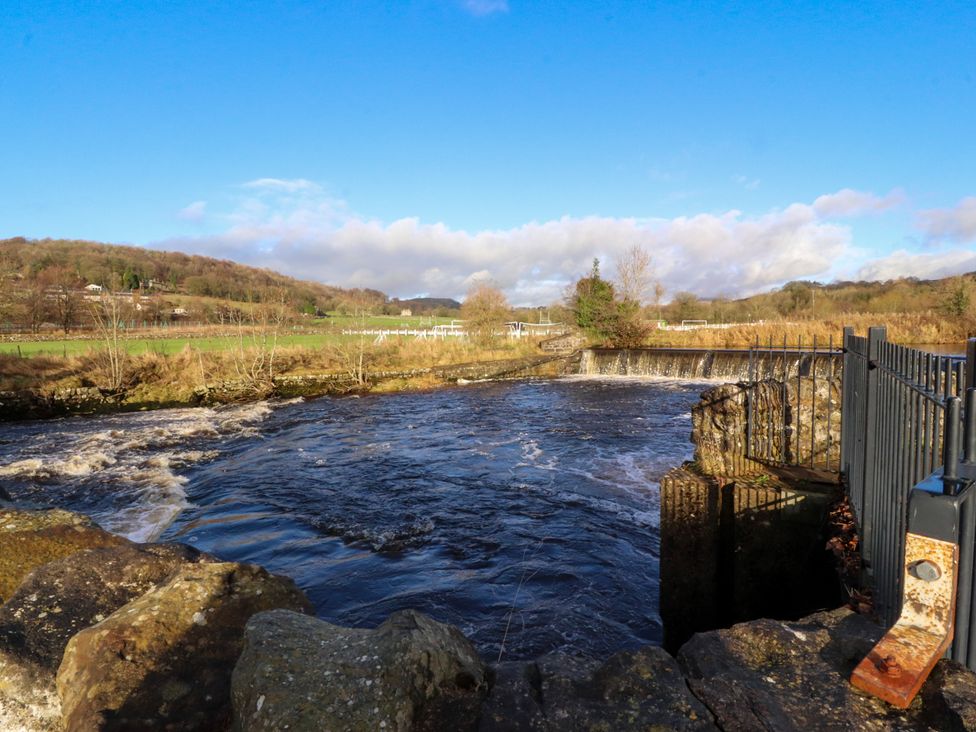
x=410, y=673
x=772, y=675
x=633, y=690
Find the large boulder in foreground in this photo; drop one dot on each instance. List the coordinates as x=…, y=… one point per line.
x=29, y=539
x=410, y=673
x=60, y=598
x=633, y=690
x=164, y=660
x=55, y=601
x=772, y=675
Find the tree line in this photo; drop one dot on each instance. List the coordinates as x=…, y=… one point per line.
x=41, y=281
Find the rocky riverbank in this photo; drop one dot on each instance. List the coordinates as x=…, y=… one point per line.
x=99, y=633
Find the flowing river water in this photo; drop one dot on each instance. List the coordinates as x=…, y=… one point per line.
x=524, y=512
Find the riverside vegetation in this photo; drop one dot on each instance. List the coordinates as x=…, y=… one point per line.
x=263, y=326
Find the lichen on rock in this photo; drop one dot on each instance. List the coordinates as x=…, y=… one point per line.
x=410, y=673
x=63, y=597
x=153, y=665
x=29, y=539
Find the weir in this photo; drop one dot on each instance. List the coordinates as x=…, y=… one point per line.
x=726, y=364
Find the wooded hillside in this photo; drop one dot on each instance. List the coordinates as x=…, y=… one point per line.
x=72, y=263
x=950, y=297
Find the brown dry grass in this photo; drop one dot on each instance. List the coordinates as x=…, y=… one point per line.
x=904, y=328
x=175, y=376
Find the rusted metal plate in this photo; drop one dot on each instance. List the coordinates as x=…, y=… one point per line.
x=898, y=665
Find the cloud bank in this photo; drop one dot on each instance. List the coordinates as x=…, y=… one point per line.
x=955, y=224
x=297, y=228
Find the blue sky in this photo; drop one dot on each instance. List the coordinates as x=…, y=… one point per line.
x=419, y=145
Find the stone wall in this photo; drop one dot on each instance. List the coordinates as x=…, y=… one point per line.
x=794, y=422
x=736, y=550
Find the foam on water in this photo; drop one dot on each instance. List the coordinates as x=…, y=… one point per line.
x=136, y=456
x=524, y=512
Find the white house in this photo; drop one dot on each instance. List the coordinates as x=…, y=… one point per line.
x=93, y=288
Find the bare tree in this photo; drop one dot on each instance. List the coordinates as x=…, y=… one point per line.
x=484, y=311
x=33, y=305
x=62, y=291
x=635, y=275
x=257, y=341
x=107, y=313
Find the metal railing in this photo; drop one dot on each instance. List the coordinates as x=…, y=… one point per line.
x=906, y=465
x=792, y=409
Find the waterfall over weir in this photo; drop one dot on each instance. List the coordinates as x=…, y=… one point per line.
x=729, y=365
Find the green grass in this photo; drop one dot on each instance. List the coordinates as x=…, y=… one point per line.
x=159, y=345
x=330, y=333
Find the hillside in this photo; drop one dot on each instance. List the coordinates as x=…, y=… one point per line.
x=70, y=265
x=949, y=297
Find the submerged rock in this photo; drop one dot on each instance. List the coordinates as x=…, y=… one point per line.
x=410, y=673
x=772, y=675
x=164, y=660
x=29, y=539
x=633, y=690
x=67, y=595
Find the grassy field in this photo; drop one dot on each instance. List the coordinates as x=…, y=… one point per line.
x=167, y=346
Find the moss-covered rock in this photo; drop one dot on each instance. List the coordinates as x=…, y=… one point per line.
x=65, y=596
x=29, y=539
x=164, y=660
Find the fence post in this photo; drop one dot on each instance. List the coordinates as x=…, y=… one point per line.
x=845, y=448
x=971, y=363
x=876, y=336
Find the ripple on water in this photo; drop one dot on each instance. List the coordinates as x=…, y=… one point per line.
x=526, y=513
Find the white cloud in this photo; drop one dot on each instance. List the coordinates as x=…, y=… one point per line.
x=485, y=7
x=303, y=232
x=282, y=185
x=927, y=265
x=194, y=212
x=750, y=184
x=847, y=202
x=295, y=227
x=955, y=224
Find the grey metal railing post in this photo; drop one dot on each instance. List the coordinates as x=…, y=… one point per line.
x=876, y=336
x=846, y=410
x=971, y=363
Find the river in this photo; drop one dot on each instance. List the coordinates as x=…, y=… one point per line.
x=524, y=512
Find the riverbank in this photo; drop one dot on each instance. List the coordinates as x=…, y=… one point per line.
x=157, y=390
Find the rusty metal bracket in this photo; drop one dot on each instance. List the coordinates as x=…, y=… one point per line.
x=901, y=661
